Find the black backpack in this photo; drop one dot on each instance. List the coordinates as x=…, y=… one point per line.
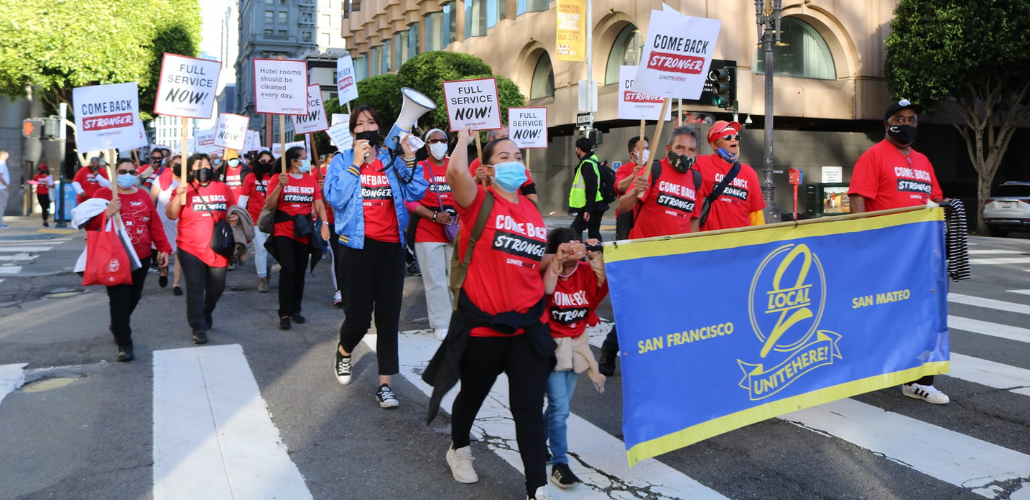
x=606, y=183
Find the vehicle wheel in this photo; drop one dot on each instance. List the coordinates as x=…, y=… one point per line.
x=997, y=232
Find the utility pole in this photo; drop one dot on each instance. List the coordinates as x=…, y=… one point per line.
x=62, y=113
x=768, y=14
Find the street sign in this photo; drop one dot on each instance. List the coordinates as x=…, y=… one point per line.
x=584, y=119
x=710, y=90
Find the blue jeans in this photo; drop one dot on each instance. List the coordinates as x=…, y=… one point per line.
x=560, y=386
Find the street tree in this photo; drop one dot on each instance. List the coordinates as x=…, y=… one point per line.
x=969, y=59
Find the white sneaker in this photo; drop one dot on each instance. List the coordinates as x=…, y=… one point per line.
x=925, y=392
x=440, y=333
x=460, y=461
x=541, y=494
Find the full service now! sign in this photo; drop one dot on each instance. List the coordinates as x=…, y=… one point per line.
x=527, y=127
x=107, y=117
x=472, y=103
x=345, y=83
x=231, y=131
x=636, y=106
x=676, y=56
x=571, y=39
x=281, y=86
x=315, y=120
x=187, y=87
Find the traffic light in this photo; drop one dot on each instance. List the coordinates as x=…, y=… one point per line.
x=51, y=128
x=32, y=128
x=722, y=89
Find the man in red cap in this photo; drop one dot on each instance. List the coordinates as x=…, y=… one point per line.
x=738, y=201
x=893, y=175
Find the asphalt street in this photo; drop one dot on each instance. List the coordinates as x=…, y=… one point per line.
x=258, y=413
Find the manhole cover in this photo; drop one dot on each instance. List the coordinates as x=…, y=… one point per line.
x=48, y=384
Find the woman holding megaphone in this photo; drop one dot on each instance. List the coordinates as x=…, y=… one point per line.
x=367, y=187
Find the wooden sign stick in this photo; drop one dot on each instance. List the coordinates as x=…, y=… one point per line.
x=185, y=172
x=654, y=139
x=282, y=140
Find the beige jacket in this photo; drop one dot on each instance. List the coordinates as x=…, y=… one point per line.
x=574, y=354
x=242, y=232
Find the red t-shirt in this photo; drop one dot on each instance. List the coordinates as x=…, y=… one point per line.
x=233, y=179
x=165, y=178
x=142, y=222
x=149, y=181
x=573, y=301
x=257, y=191
x=196, y=224
x=888, y=179
x=669, y=203
x=504, y=274
x=42, y=187
x=297, y=198
x=623, y=172
x=475, y=165
x=438, y=192
x=89, y=181
x=328, y=209
x=380, y=215
x=736, y=204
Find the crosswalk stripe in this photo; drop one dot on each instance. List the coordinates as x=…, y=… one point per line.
x=993, y=252
x=213, y=436
x=1021, y=292
x=999, y=305
x=10, y=269
x=989, y=373
x=23, y=249
x=947, y=455
x=18, y=257
x=1009, y=260
x=11, y=378
x=605, y=473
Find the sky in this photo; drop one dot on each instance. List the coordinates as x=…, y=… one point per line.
x=213, y=14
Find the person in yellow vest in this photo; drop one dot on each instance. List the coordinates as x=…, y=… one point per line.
x=585, y=197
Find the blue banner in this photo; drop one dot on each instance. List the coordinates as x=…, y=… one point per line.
x=720, y=331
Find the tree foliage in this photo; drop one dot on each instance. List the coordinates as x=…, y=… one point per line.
x=971, y=60
x=57, y=45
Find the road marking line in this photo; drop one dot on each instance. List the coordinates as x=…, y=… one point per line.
x=947, y=455
x=18, y=257
x=999, y=305
x=992, y=252
x=603, y=455
x=1012, y=260
x=24, y=249
x=10, y=269
x=11, y=378
x=213, y=435
x=990, y=373
x=987, y=328
x=1022, y=292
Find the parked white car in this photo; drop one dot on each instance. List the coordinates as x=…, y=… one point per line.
x=1008, y=209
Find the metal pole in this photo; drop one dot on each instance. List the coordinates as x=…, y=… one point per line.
x=772, y=212
x=591, y=97
x=62, y=111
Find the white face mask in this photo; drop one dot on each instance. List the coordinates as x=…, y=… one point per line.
x=438, y=150
x=647, y=156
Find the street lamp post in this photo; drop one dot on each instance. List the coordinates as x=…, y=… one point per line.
x=767, y=13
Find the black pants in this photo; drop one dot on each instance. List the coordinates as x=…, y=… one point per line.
x=123, y=300
x=484, y=359
x=293, y=259
x=372, y=280
x=44, y=204
x=334, y=250
x=204, y=286
x=593, y=227
x=611, y=341
x=927, y=380
x=623, y=225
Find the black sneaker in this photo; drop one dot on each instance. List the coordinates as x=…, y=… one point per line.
x=562, y=476
x=386, y=398
x=606, y=365
x=176, y=291
x=413, y=269
x=298, y=319
x=209, y=320
x=342, y=367
x=284, y=323
x=162, y=281
x=46, y=224
x=125, y=353
x=199, y=337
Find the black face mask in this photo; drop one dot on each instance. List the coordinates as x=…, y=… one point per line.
x=177, y=170
x=680, y=163
x=902, y=134
x=94, y=167
x=372, y=136
x=203, y=175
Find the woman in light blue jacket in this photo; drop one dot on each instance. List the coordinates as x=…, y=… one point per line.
x=367, y=187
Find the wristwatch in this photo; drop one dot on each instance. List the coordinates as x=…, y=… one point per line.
x=434, y=215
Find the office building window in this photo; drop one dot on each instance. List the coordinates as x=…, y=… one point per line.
x=324, y=39
x=269, y=32
x=481, y=15
x=806, y=54
x=543, y=78
x=387, y=56
x=361, y=68
x=305, y=17
x=305, y=36
x=282, y=17
x=269, y=17
x=524, y=6
x=626, y=51
x=283, y=33
x=414, y=42
x=376, y=64
x=441, y=28
x=269, y=2
x=403, y=47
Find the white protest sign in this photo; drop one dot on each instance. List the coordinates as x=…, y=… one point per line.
x=338, y=118
x=206, y=141
x=107, y=117
x=187, y=87
x=339, y=135
x=231, y=131
x=277, y=148
x=472, y=103
x=315, y=120
x=253, y=141
x=346, y=85
x=527, y=127
x=281, y=86
x=636, y=106
x=677, y=54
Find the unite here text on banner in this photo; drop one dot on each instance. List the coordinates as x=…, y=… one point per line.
x=527, y=127
x=107, y=117
x=472, y=103
x=231, y=131
x=677, y=54
x=187, y=87
x=281, y=86
x=636, y=106
x=315, y=120
x=345, y=83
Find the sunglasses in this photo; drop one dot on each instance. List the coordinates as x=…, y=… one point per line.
x=437, y=141
x=123, y=172
x=155, y=158
x=733, y=137
x=264, y=161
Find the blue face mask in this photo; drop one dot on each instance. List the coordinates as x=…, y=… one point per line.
x=305, y=166
x=509, y=176
x=234, y=162
x=726, y=155
x=126, y=181
x=217, y=162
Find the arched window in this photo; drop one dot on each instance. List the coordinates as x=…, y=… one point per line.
x=626, y=51
x=806, y=54
x=543, y=78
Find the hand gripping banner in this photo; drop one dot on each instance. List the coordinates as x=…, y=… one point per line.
x=720, y=331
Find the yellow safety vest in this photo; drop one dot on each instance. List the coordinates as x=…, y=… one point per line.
x=578, y=195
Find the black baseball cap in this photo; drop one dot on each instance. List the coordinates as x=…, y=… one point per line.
x=896, y=106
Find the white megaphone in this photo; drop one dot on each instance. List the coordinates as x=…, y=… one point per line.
x=415, y=105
